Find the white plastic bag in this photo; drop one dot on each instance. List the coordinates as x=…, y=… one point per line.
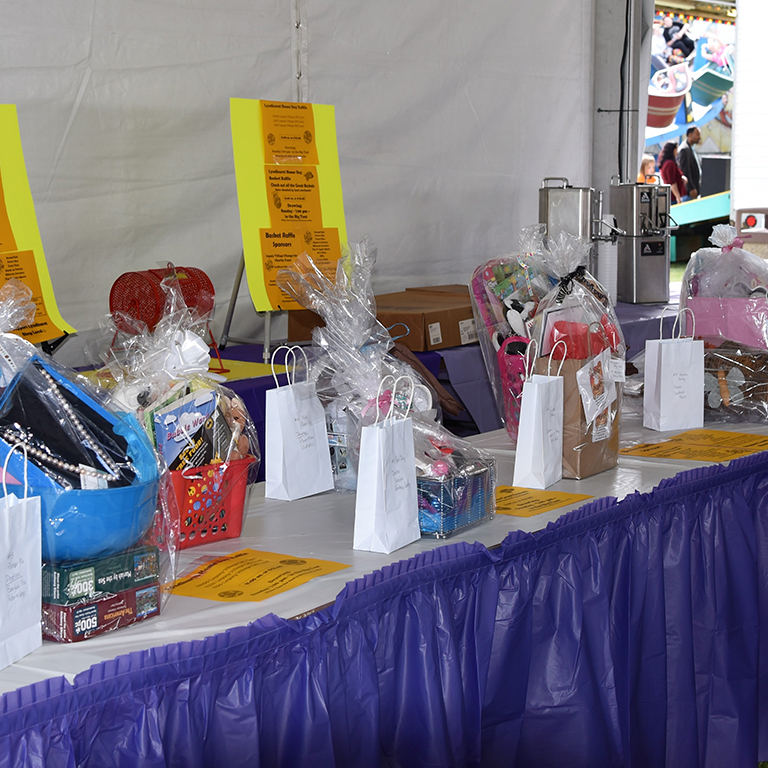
x=539, y=453
x=673, y=390
x=386, y=505
x=20, y=572
x=297, y=455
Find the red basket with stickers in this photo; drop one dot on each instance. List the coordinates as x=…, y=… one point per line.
x=211, y=500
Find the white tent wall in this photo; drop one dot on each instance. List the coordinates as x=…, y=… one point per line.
x=749, y=158
x=449, y=114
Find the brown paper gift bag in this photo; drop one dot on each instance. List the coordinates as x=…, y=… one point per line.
x=583, y=456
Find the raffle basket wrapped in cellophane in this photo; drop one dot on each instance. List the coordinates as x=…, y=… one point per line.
x=201, y=429
x=725, y=287
x=350, y=354
x=576, y=321
x=505, y=294
x=108, y=541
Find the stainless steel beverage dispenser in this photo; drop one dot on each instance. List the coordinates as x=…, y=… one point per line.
x=642, y=216
x=563, y=208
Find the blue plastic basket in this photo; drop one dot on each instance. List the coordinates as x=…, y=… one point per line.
x=83, y=524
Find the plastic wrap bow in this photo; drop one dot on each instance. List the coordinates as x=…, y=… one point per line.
x=725, y=237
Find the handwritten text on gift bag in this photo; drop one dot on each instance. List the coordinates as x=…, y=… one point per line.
x=386, y=506
x=297, y=456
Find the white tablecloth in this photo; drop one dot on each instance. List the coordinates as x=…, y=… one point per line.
x=321, y=527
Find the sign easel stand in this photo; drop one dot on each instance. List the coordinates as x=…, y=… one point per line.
x=225, y=337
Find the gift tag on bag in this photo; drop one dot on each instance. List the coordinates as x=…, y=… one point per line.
x=386, y=505
x=297, y=455
x=20, y=573
x=539, y=453
x=673, y=385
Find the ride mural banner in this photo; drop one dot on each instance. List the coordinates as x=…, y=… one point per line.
x=288, y=190
x=21, y=249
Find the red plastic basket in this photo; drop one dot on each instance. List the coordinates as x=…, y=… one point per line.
x=140, y=296
x=211, y=500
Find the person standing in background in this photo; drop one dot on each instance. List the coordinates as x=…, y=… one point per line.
x=690, y=164
x=670, y=172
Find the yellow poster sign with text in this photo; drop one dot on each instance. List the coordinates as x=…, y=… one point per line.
x=288, y=191
x=702, y=445
x=21, y=249
x=250, y=575
x=526, y=502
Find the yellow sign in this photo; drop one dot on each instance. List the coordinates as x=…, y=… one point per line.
x=288, y=191
x=526, y=502
x=281, y=247
x=288, y=131
x=702, y=445
x=252, y=576
x=293, y=195
x=21, y=249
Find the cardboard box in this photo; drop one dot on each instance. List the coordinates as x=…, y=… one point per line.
x=94, y=616
x=437, y=316
x=435, y=319
x=71, y=583
x=300, y=324
x=457, y=288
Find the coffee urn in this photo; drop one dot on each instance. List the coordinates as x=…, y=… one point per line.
x=563, y=208
x=642, y=216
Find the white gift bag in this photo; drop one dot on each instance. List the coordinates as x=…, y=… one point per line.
x=673, y=389
x=297, y=456
x=386, y=505
x=20, y=572
x=539, y=452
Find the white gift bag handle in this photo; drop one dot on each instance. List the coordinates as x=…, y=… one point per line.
x=5, y=469
x=562, y=359
x=661, y=323
x=379, y=393
x=292, y=351
x=529, y=358
x=677, y=319
x=409, y=403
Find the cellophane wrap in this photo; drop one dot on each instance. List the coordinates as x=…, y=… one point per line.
x=99, y=481
x=505, y=294
x=455, y=481
x=725, y=287
x=162, y=375
x=17, y=309
x=735, y=382
x=350, y=354
x=576, y=321
x=201, y=430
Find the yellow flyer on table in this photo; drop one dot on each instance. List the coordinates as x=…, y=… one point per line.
x=21, y=249
x=702, y=445
x=249, y=575
x=288, y=191
x=526, y=502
